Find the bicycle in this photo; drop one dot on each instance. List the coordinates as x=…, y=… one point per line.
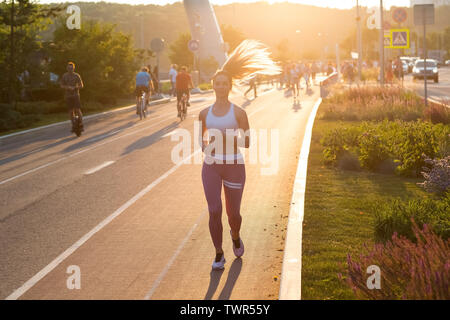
x=142, y=105
x=182, y=106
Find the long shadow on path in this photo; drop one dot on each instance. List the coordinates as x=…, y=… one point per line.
x=233, y=275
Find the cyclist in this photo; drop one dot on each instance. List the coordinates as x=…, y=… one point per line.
x=183, y=83
x=143, y=84
x=71, y=82
x=227, y=166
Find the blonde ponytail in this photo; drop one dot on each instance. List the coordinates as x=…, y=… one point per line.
x=250, y=57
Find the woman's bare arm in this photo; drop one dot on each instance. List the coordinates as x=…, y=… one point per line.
x=242, y=119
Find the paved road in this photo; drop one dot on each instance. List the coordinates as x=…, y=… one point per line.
x=114, y=204
x=437, y=91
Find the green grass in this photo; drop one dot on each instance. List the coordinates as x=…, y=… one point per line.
x=47, y=119
x=337, y=218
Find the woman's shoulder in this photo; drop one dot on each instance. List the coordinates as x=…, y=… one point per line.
x=204, y=112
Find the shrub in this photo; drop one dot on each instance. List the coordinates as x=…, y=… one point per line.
x=395, y=216
x=369, y=74
x=408, y=270
x=372, y=149
x=205, y=86
x=372, y=104
x=437, y=179
x=410, y=140
x=11, y=119
x=41, y=107
x=437, y=114
x=47, y=94
x=400, y=143
x=337, y=141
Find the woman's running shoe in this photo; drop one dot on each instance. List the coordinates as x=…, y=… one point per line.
x=238, y=247
x=219, y=262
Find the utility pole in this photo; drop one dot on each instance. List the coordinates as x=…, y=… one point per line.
x=12, y=71
x=425, y=55
x=358, y=24
x=381, y=44
x=142, y=31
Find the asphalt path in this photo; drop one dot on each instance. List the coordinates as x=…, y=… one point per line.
x=114, y=204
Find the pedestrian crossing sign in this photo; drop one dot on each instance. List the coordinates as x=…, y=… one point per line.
x=400, y=38
x=387, y=41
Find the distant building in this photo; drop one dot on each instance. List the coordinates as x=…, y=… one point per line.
x=436, y=3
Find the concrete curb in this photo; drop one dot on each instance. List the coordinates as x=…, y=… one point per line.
x=291, y=272
x=92, y=116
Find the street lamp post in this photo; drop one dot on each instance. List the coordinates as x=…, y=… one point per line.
x=381, y=44
x=358, y=23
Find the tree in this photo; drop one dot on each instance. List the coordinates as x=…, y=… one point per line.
x=232, y=36
x=104, y=57
x=20, y=24
x=208, y=66
x=283, y=51
x=179, y=52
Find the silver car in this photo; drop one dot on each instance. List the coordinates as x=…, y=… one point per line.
x=432, y=70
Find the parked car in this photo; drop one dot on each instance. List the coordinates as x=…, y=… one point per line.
x=432, y=70
x=447, y=63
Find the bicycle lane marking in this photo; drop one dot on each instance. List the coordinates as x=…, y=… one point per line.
x=58, y=260
x=87, y=149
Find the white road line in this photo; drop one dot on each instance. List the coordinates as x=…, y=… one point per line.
x=84, y=150
x=96, y=146
x=170, y=133
x=100, y=167
x=52, y=265
x=172, y=259
x=41, y=274
x=95, y=115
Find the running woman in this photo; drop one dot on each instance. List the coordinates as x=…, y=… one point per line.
x=225, y=165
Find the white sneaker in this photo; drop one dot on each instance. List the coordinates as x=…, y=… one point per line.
x=238, y=252
x=219, y=265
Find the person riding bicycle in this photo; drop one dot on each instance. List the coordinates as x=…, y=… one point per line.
x=71, y=82
x=143, y=84
x=183, y=84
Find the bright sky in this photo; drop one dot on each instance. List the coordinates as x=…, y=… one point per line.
x=342, y=4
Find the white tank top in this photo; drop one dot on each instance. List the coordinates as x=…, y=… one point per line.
x=227, y=121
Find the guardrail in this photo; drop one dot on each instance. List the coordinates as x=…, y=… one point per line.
x=326, y=83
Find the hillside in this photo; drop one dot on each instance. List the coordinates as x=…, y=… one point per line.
x=320, y=27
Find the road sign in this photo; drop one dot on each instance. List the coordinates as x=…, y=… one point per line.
x=387, y=40
x=423, y=13
x=399, y=15
x=400, y=38
x=157, y=45
x=193, y=45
